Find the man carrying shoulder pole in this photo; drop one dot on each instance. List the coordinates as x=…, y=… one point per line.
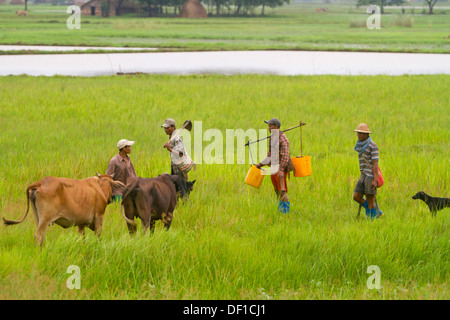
x=278, y=138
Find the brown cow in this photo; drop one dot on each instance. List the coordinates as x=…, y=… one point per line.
x=69, y=202
x=150, y=199
x=21, y=13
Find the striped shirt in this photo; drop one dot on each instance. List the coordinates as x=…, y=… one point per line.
x=283, y=152
x=370, y=154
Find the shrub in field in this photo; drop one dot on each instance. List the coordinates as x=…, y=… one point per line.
x=358, y=23
x=403, y=21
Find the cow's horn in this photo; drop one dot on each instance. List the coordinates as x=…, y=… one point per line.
x=98, y=175
x=112, y=176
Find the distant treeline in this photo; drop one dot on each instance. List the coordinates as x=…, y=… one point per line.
x=213, y=7
x=173, y=7
x=240, y=7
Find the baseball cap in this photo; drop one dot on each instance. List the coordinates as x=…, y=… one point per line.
x=169, y=122
x=273, y=121
x=123, y=143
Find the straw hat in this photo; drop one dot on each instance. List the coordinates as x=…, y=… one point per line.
x=362, y=128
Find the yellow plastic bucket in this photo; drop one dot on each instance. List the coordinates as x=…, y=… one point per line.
x=302, y=166
x=254, y=177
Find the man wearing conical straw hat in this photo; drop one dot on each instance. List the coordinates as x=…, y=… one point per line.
x=368, y=156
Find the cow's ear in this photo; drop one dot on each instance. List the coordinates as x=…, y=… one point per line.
x=98, y=175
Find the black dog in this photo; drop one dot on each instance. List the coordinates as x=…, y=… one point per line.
x=435, y=204
x=182, y=186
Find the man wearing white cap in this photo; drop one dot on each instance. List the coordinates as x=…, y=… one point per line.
x=121, y=167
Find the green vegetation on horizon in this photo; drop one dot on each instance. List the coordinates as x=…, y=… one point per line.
x=291, y=27
x=229, y=241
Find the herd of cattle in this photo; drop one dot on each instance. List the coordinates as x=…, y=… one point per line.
x=82, y=203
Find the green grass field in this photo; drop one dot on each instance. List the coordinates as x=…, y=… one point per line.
x=229, y=241
x=291, y=27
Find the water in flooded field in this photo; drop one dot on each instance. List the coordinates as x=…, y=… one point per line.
x=227, y=63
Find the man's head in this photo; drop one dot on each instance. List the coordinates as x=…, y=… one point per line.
x=274, y=124
x=169, y=126
x=362, y=131
x=124, y=145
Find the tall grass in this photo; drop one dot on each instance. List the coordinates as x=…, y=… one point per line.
x=229, y=241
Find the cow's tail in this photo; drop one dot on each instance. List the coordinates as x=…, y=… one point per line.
x=129, y=221
x=31, y=188
x=126, y=193
x=131, y=185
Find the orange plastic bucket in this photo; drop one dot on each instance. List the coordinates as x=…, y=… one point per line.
x=254, y=177
x=302, y=166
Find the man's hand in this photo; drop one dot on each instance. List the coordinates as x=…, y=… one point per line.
x=374, y=184
x=166, y=145
x=259, y=165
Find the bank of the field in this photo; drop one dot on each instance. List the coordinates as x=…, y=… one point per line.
x=229, y=241
x=291, y=27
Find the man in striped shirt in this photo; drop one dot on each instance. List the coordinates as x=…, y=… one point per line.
x=278, y=178
x=368, y=156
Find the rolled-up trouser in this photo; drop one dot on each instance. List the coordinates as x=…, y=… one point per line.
x=176, y=170
x=279, y=185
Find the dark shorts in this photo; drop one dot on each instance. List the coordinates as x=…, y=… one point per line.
x=364, y=185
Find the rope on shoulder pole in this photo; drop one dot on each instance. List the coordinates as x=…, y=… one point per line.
x=300, y=125
x=250, y=150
